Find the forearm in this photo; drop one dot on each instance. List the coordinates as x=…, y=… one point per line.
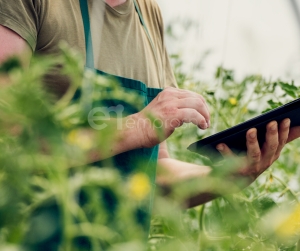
x=172, y=172
x=118, y=136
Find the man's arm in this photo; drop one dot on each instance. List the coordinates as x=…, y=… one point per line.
x=14, y=45
x=11, y=44
x=171, y=171
x=172, y=107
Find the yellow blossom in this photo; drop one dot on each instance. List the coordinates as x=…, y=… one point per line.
x=291, y=224
x=80, y=139
x=233, y=101
x=244, y=110
x=139, y=186
x=271, y=178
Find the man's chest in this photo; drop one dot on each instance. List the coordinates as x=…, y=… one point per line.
x=120, y=43
x=60, y=21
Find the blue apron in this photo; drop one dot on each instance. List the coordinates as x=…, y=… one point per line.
x=138, y=160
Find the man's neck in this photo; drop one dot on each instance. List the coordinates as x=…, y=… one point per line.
x=114, y=3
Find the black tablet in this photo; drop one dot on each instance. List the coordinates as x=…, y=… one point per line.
x=235, y=137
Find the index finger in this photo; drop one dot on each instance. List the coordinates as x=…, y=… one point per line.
x=253, y=149
x=271, y=144
x=196, y=104
x=183, y=94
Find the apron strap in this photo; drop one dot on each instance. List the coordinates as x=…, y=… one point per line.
x=89, y=62
x=137, y=8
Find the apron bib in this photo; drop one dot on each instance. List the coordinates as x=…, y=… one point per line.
x=138, y=160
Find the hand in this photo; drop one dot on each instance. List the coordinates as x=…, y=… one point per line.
x=170, y=109
x=258, y=160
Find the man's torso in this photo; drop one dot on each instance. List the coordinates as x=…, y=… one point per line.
x=125, y=49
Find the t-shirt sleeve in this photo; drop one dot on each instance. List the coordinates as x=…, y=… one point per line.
x=21, y=16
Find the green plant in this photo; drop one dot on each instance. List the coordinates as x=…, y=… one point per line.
x=259, y=217
x=50, y=202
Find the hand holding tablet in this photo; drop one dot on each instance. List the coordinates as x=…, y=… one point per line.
x=235, y=137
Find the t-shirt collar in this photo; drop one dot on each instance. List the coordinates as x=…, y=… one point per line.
x=122, y=9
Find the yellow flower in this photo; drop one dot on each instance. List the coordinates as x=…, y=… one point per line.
x=271, y=178
x=139, y=186
x=233, y=101
x=291, y=225
x=80, y=139
x=244, y=110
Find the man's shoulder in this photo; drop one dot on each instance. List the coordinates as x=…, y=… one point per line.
x=150, y=5
x=23, y=17
x=147, y=2
x=24, y=5
x=150, y=10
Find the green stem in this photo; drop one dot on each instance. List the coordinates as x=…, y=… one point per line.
x=238, y=117
x=201, y=226
x=201, y=218
x=286, y=187
x=220, y=114
x=298, y=245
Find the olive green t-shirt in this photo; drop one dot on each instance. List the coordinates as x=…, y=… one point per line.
x=121, y=43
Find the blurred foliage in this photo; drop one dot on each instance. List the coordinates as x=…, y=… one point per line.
x=263, y=216
x=49, y=201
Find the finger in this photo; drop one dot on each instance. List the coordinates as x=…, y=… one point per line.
x=253, y=149
x=283, y=134
x=271, y=144
x=180, y=93
x=188, y=115
x=173, y=93
x=225, y=150
x=197, y=104
x=294, y=133
x=196, y=95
